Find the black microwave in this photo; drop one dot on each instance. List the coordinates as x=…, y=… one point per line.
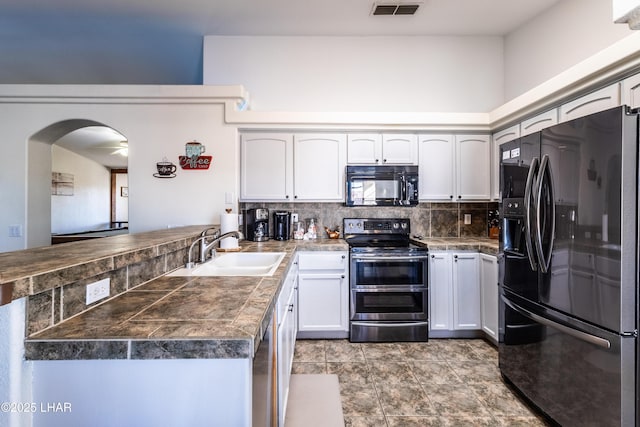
x=381, y=186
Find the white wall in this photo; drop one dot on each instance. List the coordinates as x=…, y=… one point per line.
x=90, y=206
x=155, y=129
x=388, y=74
x=559, y=38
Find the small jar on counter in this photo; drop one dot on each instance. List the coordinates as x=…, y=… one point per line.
x=312, y=228
x=298, y=230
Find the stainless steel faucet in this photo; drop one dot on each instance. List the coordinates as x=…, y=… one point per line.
x=203, y=240
x=205, y=246
x=212, y=246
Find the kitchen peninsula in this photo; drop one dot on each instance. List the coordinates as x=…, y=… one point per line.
x=184, y=344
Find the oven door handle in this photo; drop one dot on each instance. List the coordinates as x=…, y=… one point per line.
x=387, y=258
x=389, y=288
x=389, y=324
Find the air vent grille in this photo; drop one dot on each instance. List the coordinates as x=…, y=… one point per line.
x=394, y=9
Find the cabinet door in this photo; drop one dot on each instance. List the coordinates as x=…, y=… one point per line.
x=466, y=291
x=489, y=289
x=364, y=148
x=323, y=302
x=631, y=91
x=440, y=291
x=436, y=167
x=266, y=165
x=539, y=122
x=399, y=149
x=497, y=140
x=285, y=348
x=473, y=154
x=319, y=163
x=600, y=100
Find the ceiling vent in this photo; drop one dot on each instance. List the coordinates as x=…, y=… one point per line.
x=394, y=9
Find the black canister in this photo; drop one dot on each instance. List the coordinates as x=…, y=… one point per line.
x=281, y=225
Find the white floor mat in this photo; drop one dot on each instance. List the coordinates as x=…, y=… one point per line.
x=314, y=401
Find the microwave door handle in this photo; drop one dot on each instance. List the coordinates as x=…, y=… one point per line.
x=404, y=193
x=527, y=209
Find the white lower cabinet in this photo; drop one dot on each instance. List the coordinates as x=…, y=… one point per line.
x=466, y=291
x=454, y=285
x=441, y=291
x=323, y=294
x=489, y=289
x=287, y=310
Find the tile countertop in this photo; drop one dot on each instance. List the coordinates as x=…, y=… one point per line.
x=31, y=271
x=480, y=244
x=176, y=317
x=187, y=317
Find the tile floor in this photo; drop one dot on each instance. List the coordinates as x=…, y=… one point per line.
x=437, y=383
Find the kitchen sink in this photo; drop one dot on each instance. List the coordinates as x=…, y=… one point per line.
x=236, y=264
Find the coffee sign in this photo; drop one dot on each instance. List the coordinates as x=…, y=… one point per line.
x=194, y=158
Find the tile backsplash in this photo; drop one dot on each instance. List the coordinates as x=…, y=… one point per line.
x=427, y=219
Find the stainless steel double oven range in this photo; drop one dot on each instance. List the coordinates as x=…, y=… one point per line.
x=388, y=281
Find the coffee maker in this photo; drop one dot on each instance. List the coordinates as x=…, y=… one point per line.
x=256, y=224
x=281, y=225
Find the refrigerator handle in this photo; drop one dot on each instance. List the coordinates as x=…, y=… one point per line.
x=527, y=208
x=592, y=339
x=545, y=177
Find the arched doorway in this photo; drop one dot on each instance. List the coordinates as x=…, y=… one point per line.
x=76, y=186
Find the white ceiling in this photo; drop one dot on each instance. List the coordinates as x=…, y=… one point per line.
x=275, y=17
x=98, y=143
x=160, y=41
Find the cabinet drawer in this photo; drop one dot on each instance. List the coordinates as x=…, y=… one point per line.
x=582, y=260
x=608, y=267
x=323, y=261
x=560, y=258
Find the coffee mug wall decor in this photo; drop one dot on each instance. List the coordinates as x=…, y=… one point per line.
x=194, y=158
x=166, y=169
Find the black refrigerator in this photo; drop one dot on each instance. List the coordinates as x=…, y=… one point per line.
x=569, y=271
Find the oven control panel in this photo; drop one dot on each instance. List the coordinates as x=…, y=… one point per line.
x=375, y=226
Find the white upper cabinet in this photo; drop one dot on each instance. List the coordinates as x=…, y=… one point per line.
x=600, y=100
x=266, y=166
x=498, y=139
x=631, y=91
x=319, y=166
x=539, y=122
x=287, y=167
x=454, y=167
x=364, y=148
x=473, y=154
x=436, y=167
x=399, y=149
x=382, y=149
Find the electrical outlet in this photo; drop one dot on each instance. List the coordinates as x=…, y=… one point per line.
x=294, y=217
x=467, y=219
x=98, y=290
x=15, y=230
